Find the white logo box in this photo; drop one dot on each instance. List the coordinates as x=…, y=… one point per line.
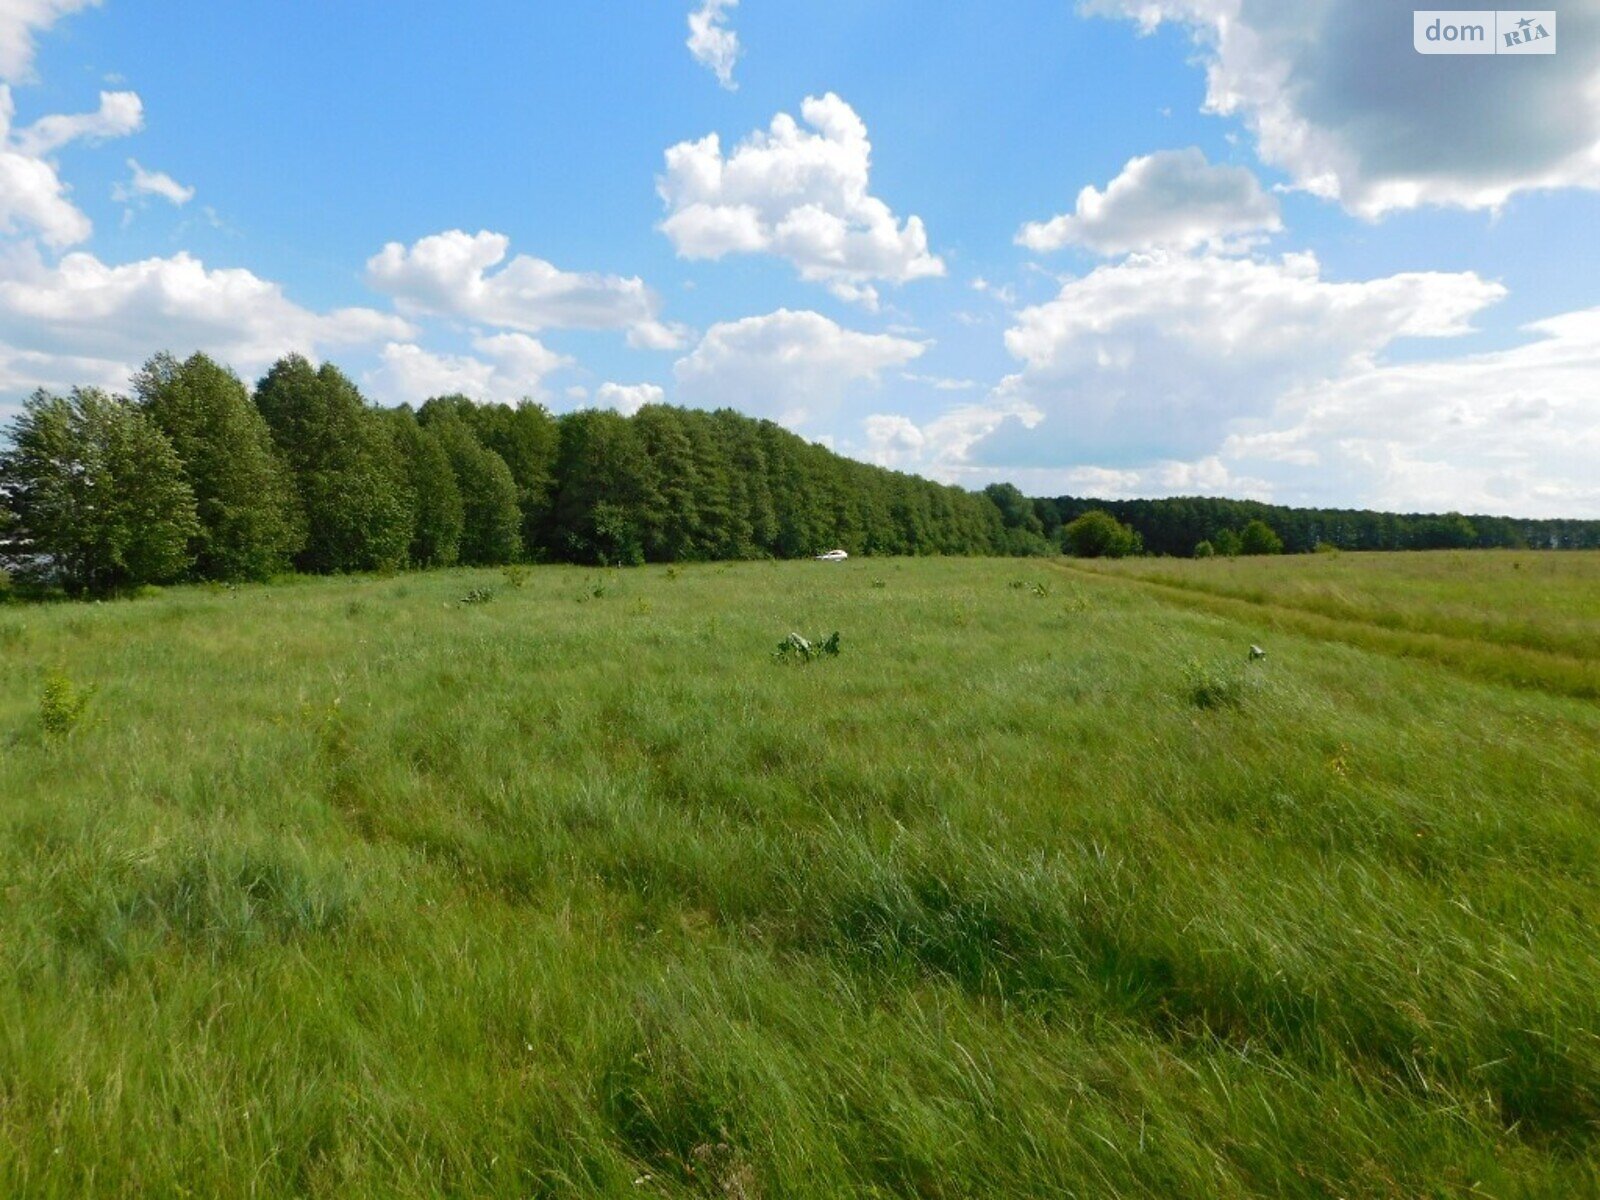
x=1484, y=31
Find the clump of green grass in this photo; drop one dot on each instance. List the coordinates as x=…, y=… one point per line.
x=1077, y=602
x=217, y=899
x=478, y=595
x=62, y=704
x=1217, y=684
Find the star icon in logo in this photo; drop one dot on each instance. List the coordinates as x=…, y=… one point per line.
x=1524, y=23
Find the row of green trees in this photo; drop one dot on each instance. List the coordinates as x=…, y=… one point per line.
x=1098, y=534
x=1179, y=527
x=197, y=476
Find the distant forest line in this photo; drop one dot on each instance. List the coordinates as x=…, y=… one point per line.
x=198, y=477
x=1175, y=527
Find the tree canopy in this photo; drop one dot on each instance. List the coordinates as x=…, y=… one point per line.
x=96, y=495
x=250, y=522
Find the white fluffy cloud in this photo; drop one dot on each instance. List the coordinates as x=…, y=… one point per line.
x=1160, y=356
x=1206, y=374
x=34, y=200
x=144, y=183
x=513, y=366
x=452, y=275
x=713, y=44
x=1173, y=199
x=81, y=320
x=1336, y=96
x=795, y=367
x=802, y=194
x=1512, y=431
x=628, y=398
x=119, y=114
x=940, y=448
x=1515, y=431
x=19, y=21
x=33, y=197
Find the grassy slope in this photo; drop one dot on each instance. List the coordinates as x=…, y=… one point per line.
x=1511, y=617
x=1547, y=602
x=344, y=888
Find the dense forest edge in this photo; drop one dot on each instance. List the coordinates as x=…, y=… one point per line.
x=195, y=476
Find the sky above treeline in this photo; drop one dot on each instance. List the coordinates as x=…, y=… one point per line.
x=1115, y=248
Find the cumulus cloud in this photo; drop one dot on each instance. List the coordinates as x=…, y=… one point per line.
x=712, y=43
x=1173, y=199
x=453, y=274
x=801, y=194
x=1337, y=97
x=145, y=183
x=941, y=448
x=101, y=320
x=513, y=367
x=1159, y=356
x=1512, y=431
x=795, y=367
x=33, y=198
x=1207, y=374
x=20, y=20
x=628, y=398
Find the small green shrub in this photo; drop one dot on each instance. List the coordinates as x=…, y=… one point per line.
x=1205, y=550
x=478, y=595
x=1215, y=685
x=1326, y=548
x=62, y=704
x=515, y=575
x=799, y=650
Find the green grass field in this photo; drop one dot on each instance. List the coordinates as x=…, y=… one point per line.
x=1507, y=615
x=346, y=888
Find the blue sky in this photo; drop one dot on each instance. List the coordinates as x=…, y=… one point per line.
x=1316, y=267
